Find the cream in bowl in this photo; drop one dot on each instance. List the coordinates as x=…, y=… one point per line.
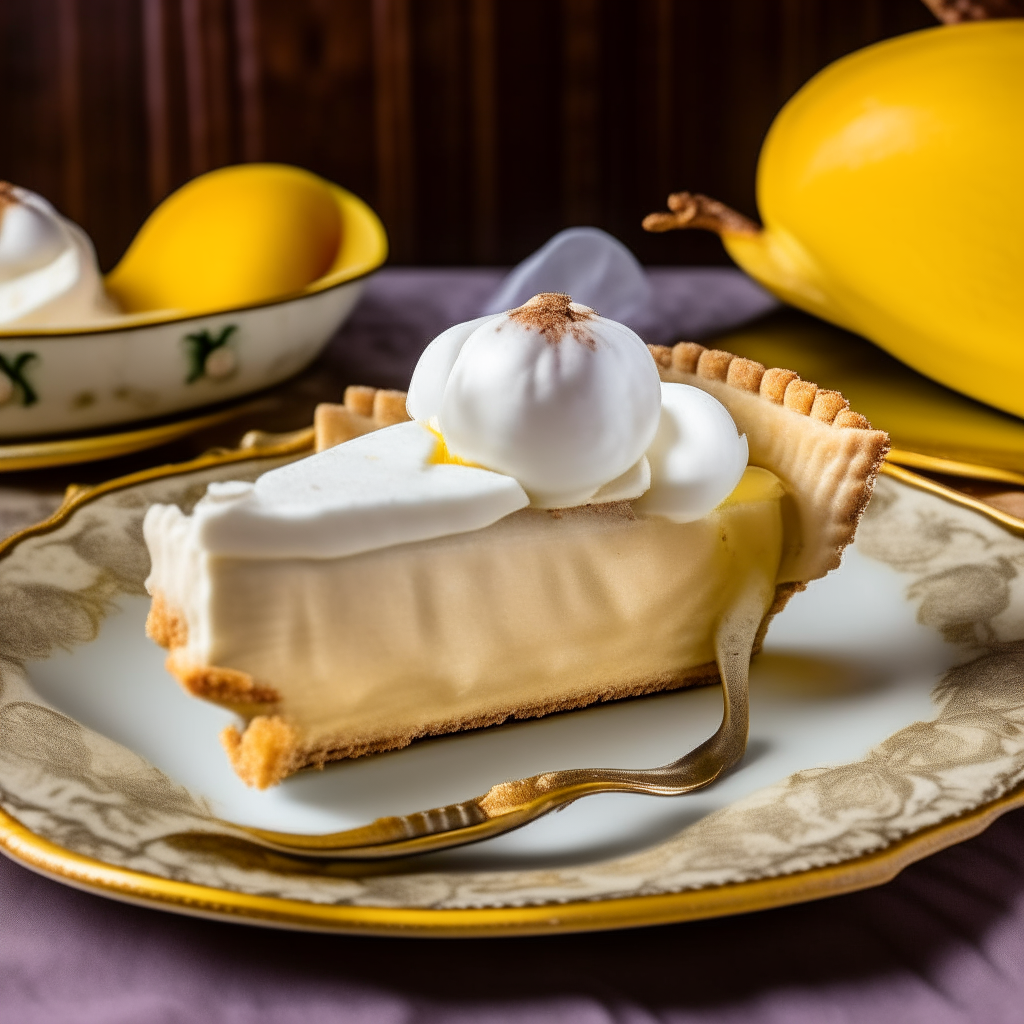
x=234, y=283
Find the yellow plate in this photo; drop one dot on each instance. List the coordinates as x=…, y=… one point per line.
x=931, y=427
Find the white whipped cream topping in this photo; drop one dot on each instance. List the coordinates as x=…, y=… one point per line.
x=372, y=492
x=631, y=484
x=697, y=457
x=48, y=271
x=426, y=389
x=385, y=488
x=550, y=393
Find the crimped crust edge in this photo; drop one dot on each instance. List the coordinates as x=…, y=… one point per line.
x=846, y=457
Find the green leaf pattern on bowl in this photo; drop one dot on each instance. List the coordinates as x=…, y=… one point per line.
x=202, y=347
x=13, y=380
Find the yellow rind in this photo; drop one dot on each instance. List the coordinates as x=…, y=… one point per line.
x=890, y=190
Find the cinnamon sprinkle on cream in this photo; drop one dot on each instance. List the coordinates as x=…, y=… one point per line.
x=554, y=315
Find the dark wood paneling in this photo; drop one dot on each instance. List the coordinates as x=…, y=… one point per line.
x=315, y=69
x=477, y=128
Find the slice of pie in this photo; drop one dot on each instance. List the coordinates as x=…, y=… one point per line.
x=441, y=595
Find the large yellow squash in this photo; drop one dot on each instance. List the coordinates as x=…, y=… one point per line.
x=891, y=187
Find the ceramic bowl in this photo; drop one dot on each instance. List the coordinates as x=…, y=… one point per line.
x=143, y=366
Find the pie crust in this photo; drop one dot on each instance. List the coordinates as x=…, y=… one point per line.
x=825, y=455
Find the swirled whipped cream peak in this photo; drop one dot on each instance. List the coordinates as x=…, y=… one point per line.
x=562, y=399
x=48, y=271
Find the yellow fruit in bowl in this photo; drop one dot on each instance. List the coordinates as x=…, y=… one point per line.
x=234, y=237
x=891, y=188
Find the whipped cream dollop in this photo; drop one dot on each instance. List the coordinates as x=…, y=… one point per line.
x=48, y=271
x=564, y=400
x=697, y=457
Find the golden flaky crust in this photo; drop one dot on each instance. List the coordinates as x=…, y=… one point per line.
x=269, y=749
x=228, y=686
x=265, y=753
x=364, y=409
x=826, y=455
x=166, y=625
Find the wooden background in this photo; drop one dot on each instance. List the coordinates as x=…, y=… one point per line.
x=477, y=128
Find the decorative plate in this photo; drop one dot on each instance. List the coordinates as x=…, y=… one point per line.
x=887, y=722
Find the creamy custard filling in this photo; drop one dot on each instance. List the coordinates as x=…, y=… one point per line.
x=540, y=611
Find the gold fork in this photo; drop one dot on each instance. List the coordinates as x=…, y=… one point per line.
x=510, y=805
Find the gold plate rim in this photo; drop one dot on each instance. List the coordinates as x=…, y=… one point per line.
x=1006, y=520
x=953, y=467
x=68, y=451
x=22, y=845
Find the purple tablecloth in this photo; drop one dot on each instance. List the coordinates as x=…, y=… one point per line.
x=942, y=943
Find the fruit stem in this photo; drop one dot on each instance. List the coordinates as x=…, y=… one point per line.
x=693, y=210
x=952, y=12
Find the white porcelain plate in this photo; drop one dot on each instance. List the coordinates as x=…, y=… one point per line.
x=888, y=700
